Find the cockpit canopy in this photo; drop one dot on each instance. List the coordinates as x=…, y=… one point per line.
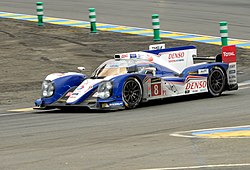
x=115, y=67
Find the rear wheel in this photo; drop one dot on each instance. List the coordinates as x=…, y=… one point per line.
x=132, y=93
x=216, y=81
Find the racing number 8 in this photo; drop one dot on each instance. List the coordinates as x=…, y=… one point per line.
x=156, y=89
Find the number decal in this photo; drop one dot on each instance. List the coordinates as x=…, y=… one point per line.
x=156, y=89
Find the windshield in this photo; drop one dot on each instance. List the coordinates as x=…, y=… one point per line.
x=111, y=68
x=116, y=67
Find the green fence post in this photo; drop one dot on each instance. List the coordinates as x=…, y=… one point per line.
x=39, y=10
x=92, y=18
x=156, y=27
x=224, y=33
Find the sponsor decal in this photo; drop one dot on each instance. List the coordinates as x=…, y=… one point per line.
x=176, y=57
x=177, y=60
x=157, y=47
x=232, y=71
x=203, y=71
x=124, y=55
x=114, y=104
x=232, y=65
x=193, y=73
x=154, y=80
x=229, y=54
x=85, y=85
x=232, y=76
x=196, y=85
x=133, y=56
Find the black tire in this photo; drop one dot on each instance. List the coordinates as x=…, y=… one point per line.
x=132, y=93
x=216, y=81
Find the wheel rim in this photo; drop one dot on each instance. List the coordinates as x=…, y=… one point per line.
x=216, y=81
x=132, y=92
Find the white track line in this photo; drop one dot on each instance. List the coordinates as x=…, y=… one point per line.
x=244, y=85
x=12, y=114
x=22, y=110
x=202, y=166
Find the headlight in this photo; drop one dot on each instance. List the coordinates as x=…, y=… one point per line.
x=105, y=89
x=47, y=88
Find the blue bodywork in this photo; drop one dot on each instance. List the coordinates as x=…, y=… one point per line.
x=62, y=86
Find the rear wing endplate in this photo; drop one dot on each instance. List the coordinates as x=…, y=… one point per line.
x=229, y=57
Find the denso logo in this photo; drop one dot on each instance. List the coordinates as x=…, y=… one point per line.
x=124, y=55
x=176, y=55
x=196, y=85
x=228, y=54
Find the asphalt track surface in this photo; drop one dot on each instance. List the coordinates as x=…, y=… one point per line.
x=190, y=16
x=130, y=139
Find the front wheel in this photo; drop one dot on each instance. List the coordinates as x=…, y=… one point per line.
x=216, y=81
x=132, y=93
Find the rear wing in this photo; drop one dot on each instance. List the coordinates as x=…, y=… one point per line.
x=217, y=58
x=228, y=55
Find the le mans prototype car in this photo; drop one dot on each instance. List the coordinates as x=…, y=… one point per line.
x=135, y=77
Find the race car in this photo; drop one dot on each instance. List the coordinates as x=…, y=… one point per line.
x=135, y=77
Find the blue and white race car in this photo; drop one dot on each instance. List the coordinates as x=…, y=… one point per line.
x=135, y=77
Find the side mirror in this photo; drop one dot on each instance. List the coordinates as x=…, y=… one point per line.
x=150, y=71
x=81, y=68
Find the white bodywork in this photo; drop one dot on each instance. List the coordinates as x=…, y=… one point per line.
x=174, y=60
